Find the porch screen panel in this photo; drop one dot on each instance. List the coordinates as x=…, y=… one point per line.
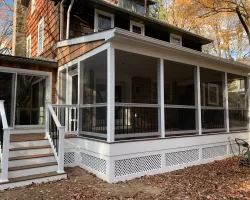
x=212, y=101
x=30, y=100
x=62, y=87
x=94, y=96
x=136, y=96
x=237, y=102
x=179, y=98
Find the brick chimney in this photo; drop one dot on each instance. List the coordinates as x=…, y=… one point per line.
x=19, y=28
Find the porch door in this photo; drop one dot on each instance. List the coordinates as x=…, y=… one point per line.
x=7, y=94
x=30, y=100
x=73, y=99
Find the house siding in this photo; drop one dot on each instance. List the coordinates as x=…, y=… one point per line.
x=69, y=53
x=50, y=12
x=83, y=24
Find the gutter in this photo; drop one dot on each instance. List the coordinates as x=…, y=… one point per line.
x=68, y=18
x=61, y=18
x=29, y=61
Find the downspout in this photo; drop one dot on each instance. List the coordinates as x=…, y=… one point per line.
x=68, y=18
x=61, y=18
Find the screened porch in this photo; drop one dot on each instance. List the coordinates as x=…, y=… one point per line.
x=117, y=95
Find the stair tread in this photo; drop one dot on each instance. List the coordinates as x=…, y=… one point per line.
x=31, y=177
x=32, y=147
x=27, y=137
x=31, y=156
x=32, y=166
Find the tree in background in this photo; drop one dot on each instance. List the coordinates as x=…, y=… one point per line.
x=240, y=8
x=202, y=17
x=6, y=17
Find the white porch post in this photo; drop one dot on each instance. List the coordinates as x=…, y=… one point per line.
x=68, y=92
x=110, y=94
x=80, y=98
x=225, y=102
x=198, y=99
x=47, y=119
x=161, y=110
x=248, y=99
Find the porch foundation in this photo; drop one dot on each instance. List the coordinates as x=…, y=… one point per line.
x=115, y=162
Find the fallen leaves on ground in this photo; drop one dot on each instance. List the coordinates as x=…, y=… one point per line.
x=223, y=179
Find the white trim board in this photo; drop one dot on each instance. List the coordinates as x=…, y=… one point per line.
x=104, y=35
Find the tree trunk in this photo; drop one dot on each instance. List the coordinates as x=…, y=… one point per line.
x=244, y=24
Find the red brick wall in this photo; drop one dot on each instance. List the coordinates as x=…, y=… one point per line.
x=50, y=12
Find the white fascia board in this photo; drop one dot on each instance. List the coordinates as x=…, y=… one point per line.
x=104, y=35
x=120, y=33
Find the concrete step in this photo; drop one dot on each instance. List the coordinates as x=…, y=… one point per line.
x=37, y=178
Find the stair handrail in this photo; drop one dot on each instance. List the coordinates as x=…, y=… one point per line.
x=5, y=144
x=60, y=154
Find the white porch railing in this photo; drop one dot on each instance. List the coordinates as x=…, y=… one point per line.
x=5, y=143
x=55, y=133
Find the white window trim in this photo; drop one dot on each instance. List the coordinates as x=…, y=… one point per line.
x=40, y=22
x=28, y=40
x=217, y=94
x=33, y=6
x=142, y=26
x=175, y=36
x=100, y=12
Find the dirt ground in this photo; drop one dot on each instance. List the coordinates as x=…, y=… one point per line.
x=218, y=180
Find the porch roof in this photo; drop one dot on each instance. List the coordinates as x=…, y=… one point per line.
x=31, y=61
x=117, y=33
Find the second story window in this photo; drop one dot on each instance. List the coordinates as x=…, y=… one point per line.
x=40, y=36
x=33, y=6
x=176, y=39
x=28, y=47
x=103, y=20
x=137, y=28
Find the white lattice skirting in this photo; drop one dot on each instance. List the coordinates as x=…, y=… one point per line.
x=117, y=167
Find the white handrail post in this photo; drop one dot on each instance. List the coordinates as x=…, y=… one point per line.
x=5, y=155
x=47, y=119
x=61, y=150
